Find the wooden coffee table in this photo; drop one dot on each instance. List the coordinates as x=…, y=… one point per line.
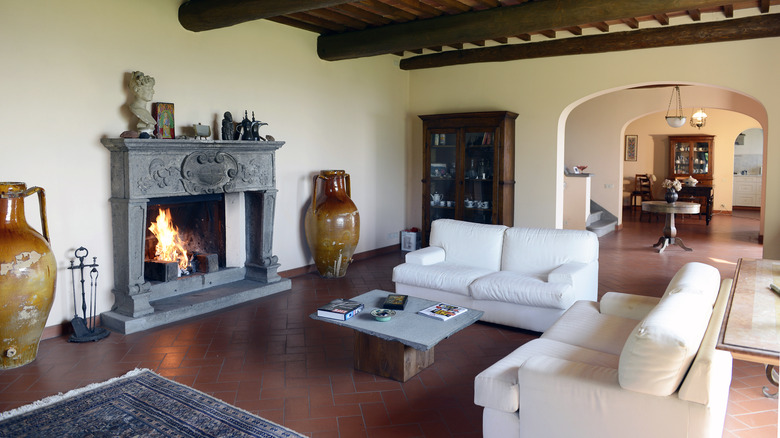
x=402, y=347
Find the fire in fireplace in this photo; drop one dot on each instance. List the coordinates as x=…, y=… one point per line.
x=184, y=236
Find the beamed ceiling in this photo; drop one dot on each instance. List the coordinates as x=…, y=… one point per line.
x=435, y=33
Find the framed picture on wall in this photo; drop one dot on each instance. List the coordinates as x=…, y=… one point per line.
x=631, y=146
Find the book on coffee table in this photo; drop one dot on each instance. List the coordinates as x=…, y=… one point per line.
x=395, y=302
x=442, y=311
x=340, y=309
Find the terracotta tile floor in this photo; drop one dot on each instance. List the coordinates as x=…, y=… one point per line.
x=270, y=358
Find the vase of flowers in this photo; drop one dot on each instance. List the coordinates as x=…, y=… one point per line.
x=672, y=187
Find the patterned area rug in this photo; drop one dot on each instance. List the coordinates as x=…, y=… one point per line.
x=138, y=404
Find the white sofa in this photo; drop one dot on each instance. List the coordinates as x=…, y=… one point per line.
x=520, y=277
x=629, y=366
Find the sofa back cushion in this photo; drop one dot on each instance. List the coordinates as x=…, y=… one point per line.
x=660, y=349
x=696, y=278
x=537, y=251
x=469, y=244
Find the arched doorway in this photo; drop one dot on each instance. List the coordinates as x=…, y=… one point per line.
x=595, y=127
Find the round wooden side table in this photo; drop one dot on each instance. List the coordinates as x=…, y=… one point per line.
x=670, y=232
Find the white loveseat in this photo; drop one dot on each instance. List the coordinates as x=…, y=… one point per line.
x=520, y=277
x=629, y=366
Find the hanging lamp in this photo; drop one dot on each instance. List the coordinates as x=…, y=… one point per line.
x=678, y=119
x=699, y=119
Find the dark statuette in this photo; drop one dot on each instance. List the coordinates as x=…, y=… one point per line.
x=227, y=127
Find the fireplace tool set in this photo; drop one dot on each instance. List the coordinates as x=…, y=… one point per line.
x=84, y=329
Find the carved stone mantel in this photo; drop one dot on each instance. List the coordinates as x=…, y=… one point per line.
x=143, y=169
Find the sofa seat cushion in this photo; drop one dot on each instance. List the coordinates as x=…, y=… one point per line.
x=517, y=288
x=585, y=326
x=662, y=346
x=497, y=388
x=445, y=276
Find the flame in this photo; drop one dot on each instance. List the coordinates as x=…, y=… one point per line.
x=169, y=247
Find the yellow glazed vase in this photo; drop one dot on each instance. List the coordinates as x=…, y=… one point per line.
x=28, y=273
x=332, y=224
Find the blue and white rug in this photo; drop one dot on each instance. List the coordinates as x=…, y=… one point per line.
x=138, y=404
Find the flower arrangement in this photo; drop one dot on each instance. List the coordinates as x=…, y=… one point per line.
x=675, y=185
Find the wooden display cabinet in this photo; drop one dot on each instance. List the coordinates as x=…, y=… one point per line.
x=469, y=168
x=691, y=155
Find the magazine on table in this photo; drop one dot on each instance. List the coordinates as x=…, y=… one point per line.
x=442, y=311
x=340, y=309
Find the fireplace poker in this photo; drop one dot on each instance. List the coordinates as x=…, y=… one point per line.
x=84, y=329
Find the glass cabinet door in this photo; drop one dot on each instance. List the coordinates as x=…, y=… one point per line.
x=701, y=158
x=478, y=178
x=443, y=190
x=681, y=155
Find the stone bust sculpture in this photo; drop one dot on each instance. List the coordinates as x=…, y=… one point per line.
x=142, y=87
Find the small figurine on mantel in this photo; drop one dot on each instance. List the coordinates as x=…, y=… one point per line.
x=142, y=87
x=228, y=128
x=246, y=130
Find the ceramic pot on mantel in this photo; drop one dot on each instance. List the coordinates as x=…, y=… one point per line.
x=332, y=224
x=28, y=273
x=671, y=196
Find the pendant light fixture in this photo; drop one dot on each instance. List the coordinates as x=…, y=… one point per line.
x=677, y=119
x=699, y=119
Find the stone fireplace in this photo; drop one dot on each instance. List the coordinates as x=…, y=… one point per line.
x=231, y=183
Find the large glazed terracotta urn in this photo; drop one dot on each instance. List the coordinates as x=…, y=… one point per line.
x=28, y=273
x=332, y=223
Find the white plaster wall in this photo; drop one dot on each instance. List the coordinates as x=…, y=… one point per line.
x=544, y=91
x=64, y=87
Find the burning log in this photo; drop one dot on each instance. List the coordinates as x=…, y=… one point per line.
x=207, y=262
x=159, y=270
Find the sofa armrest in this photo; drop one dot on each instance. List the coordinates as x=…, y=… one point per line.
x=429, y=255
x=627, y=305
x=592, y=403
x=583, y=276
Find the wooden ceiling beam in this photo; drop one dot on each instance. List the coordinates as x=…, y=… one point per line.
x=695, y=14
x=386, y=10
x=529, y=17
x=417, y=7
x=761, y=26
x=362, y=14
x=200, y=15
x=662, y=18
x=633, y=23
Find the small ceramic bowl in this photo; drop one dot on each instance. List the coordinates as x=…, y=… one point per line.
x=382, y=315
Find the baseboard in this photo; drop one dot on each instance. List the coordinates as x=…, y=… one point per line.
x=63, y=329
x=746, y=208
x=303, y=270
